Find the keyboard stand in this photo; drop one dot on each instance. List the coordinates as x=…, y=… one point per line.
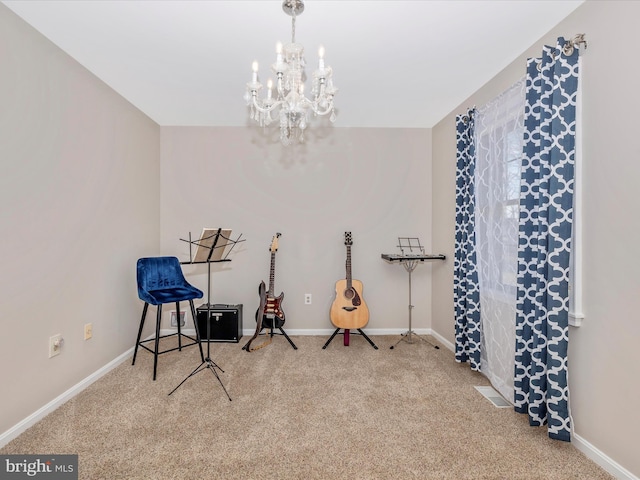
x=410, y=262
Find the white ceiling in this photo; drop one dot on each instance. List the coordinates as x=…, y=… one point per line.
x=396, y=63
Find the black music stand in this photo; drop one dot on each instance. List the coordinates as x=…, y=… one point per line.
x=411, y=253
x=209, y=249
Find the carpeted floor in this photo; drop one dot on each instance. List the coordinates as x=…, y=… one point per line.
x=341, y=413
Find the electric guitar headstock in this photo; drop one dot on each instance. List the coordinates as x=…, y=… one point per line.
x=274, y=243
x=347, y=239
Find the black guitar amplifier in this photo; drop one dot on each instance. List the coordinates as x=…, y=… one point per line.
x=225, y=324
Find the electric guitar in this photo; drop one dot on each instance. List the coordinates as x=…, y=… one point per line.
x=272, y=315
x=349, y=310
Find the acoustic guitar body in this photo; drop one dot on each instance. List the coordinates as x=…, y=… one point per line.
x=349, y=310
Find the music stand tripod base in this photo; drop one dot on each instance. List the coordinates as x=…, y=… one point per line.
x=408, y=337
x=207, y=364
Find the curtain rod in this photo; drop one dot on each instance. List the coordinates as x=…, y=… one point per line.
x=567, y=49
x=575, y=41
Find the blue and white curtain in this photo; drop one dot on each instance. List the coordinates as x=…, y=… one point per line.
x=546, y=213
x=465, y=280
x=544, y=242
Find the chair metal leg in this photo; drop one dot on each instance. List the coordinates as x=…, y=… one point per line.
x=178, y=322
x=135, y=350
x=156, y=349
x=155, y=352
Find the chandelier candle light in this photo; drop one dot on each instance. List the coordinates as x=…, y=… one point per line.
x=290, y=102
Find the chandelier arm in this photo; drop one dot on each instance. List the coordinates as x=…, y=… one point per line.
x=267, y=109
x=313, y=105
x=317, y=111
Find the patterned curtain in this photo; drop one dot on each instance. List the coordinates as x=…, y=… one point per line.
x=465, y=280
x=546, y=209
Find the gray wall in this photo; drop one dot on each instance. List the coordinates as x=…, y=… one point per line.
x=603, y=361
x=79, y=196
x=90, y=184
x=372, y=182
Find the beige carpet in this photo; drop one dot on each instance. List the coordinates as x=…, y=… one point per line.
x=344, y=412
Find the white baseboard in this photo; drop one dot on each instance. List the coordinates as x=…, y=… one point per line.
x=371, y=332
x=601, y=459
x=443, y=341
x=314, y=331
x=38, y=415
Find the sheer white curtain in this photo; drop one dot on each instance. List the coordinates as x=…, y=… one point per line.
x=499, y=128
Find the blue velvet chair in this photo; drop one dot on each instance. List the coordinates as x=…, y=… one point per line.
x=160, y=281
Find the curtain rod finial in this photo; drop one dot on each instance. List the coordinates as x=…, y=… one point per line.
x=574, y=42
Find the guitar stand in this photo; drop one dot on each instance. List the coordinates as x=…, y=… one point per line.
x=207, y=364
x=271, y=333
x=284, y=334
x=346, y=338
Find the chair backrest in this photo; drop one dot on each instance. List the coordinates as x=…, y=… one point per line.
x=157, y=273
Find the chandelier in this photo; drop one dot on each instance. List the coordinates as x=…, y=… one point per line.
x=288, y=103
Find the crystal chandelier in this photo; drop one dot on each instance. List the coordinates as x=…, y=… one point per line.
x=289, y=102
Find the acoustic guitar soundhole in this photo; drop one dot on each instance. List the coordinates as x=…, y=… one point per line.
x=352, y=295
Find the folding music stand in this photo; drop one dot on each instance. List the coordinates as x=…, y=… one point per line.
x=209, y=249
x=411, y=244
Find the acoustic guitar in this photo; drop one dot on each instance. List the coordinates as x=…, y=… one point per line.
x=272, y=315
x=349, y=310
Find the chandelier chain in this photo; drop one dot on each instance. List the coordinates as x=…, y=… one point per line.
x=293, y=27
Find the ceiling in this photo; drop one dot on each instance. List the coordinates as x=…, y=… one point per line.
x=396, y=63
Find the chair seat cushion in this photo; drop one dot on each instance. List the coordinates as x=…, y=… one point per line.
x=170, y=295
x=160, y=280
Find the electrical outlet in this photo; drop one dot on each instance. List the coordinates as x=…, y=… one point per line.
x=174, y=321
x=307, y=299
x=55, y=345
x=88, y=331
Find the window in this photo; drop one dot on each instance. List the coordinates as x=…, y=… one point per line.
x=499, y=136
x=499, y=131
